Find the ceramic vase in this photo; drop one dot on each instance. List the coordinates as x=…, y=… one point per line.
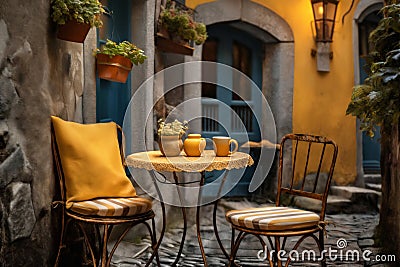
x=194, y=145
x=170, y=145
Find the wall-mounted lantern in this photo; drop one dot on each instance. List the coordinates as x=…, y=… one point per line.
x=324, y=12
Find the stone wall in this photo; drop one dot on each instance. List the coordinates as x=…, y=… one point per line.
x=39, y=76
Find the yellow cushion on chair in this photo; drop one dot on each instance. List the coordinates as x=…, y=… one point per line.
x=91, y=161
x=112, y=206
x=272, y=218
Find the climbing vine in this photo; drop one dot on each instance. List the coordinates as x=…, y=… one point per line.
x=377, y=101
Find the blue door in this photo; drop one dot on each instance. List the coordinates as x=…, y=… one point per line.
x=371, y=146
x=112, y=98
x=231, y=46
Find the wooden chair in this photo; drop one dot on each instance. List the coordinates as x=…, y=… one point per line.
x=279, y=222
x=100, y=209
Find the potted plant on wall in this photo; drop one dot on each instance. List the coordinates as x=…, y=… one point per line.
x=75, y=18
x=177, y=28
x=115, y=61
x=170, y=137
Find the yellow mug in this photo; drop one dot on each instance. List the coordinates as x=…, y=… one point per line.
x=222, y=145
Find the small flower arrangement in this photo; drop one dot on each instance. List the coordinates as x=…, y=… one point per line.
x=180, y=22
x=125, y=49
x=172, y=128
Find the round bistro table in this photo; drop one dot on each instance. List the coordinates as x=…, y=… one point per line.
x=155, y=161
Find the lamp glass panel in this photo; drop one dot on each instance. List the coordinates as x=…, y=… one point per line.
x=330, y=11
x=318, y=9
x=318, y=28
x=329, y=30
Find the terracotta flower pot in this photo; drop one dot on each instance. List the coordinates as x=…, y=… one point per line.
x=114, y=68
x=73, y=31
x=171, y=43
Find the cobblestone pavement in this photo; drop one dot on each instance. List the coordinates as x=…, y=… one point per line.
x=354, y=230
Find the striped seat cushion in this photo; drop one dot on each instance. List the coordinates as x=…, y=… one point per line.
x=272, y=218
x=112, y=206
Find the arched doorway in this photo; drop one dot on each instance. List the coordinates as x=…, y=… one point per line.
x=229, y=44
x=249, y=33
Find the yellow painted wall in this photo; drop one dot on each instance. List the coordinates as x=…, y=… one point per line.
x=320, y=99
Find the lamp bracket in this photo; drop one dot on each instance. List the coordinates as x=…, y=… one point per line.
x=324, y=55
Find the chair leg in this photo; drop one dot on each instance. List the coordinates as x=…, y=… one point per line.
x=232, y=239
x=98, y=240
x=118, y=241
x=278, y=248
x=322, y=246
x=154, y=244
x=64, y=226
x=104, y=253
x=235, y=248
x=87, y=243
x=232, y=246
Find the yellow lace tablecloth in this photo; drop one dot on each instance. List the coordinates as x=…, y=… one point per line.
x=154, y=160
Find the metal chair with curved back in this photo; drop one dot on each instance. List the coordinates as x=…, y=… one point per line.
x=116, y=205
x=280, y=222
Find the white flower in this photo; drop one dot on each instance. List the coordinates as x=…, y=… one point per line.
x=172, y=128
x=372, y=95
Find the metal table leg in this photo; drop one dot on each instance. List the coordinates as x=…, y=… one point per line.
x=198, y=230
x=157, y=245
x=183, y=209
x=203, y=254
x=215, y=216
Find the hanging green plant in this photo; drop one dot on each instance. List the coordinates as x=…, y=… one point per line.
x=83, y=11
x=115, y=61
x=377, y=101
x=75, y=18
x=125, y=49
x=179, y=22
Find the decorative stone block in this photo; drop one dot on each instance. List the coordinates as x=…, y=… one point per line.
x=3, y=136
x=21, y=216
x=15, y=168
x=7, y=96
x=3, y=38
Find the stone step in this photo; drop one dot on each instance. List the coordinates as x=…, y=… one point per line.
x=376, y=187
x=366, y=200
x=352, y=192
x=335, y=204
x=372, y=178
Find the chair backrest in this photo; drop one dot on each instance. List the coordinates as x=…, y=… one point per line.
x=308, y=170
x=57, y=163
x=114, y=182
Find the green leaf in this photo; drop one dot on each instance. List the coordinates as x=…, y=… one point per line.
x=377, y=101
x=85, y=11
